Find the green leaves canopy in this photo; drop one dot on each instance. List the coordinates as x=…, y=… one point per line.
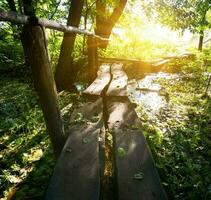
x=180, y=14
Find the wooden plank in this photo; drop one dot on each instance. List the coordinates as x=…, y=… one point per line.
x=104, y=59
x=160, y=62
x=118, y=85
x=77, y=172
x=102, y=80
x=133, y=158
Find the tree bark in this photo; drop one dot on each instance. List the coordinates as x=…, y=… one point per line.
x=65, y=73
x=20, y=6
x=104, y=23
x=28, y=8
x=25, y=19
x=37, y=54
x=11, y=4
x=92, y=58
x=201, y=38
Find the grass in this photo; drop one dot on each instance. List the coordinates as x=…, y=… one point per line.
x=24, y=142
x=179, y=136
x=27, y=159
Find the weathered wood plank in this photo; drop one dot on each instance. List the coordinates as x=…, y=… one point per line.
x=102, y=80
x=114, y=60
x=160, y=62
x=133, y=158
x=77, y=172
x=118, y=85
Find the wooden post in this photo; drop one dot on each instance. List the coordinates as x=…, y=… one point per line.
x=92, y=57
x=37, y=54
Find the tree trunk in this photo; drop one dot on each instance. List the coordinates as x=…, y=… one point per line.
x=37, y=54
x=28, y=8
x=201, y=38
x=207, y=87
x=105, y=24
x=20, y=6
x=65, y=73
x=92, y=58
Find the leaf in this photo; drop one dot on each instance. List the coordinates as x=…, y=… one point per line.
x=14, y=179
x=121, y=152
x=85, y=140
x=139, y=175
x=37, y=154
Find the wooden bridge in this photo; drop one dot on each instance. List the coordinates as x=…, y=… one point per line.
x=105, y=156
x=81, y=169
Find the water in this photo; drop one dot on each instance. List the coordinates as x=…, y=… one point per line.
x=147, y=93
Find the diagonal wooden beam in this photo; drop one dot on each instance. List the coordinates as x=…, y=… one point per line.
x=24, y=19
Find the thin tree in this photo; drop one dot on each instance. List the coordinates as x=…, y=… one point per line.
x=106, y=22
x=65, y=73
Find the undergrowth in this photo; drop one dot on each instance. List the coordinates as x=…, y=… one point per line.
x=179, y=135
x=26, y=154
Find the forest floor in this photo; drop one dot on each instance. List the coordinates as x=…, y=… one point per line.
x=177, y=124
x=178, y=132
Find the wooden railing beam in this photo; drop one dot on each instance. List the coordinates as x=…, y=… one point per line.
x=24, y=19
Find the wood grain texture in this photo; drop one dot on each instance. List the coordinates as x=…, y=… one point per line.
x=102, y=80
x=137, y=158
x=118, y=85
x=92, y=58
x=24, y=19
x=77, y=172
x=35, y=48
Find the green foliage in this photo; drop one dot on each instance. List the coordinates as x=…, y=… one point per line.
x=23, y=137
x=27, y=160
x=54, y=43
x=52, y=9
x=180, y=14
x=26, y=155
x=11, y=56
x=179, y=135
x=132, y=38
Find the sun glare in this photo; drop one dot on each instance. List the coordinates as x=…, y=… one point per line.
x=145, y=32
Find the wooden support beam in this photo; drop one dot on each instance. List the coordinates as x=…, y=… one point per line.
x=37, y=54
x=104, y=59
x=24, y=19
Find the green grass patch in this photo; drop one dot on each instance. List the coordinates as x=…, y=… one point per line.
x=180, y=136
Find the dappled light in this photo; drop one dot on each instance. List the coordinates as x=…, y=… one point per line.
x=105, y=99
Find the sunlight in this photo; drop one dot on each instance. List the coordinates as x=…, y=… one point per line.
x=150, y=38
x=155, y=33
